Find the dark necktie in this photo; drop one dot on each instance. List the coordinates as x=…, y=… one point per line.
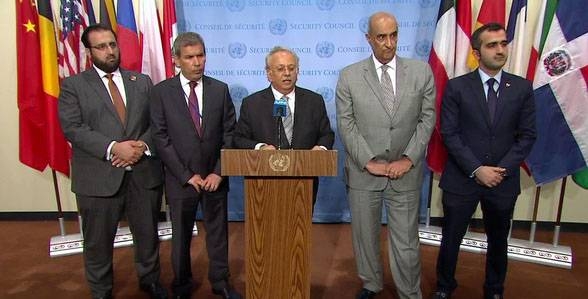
x=288, y=121
x=492, y=98
x=194, y=109
x=117, y=100
x=388, y=88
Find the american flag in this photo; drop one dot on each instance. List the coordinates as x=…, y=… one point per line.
x=74, y=19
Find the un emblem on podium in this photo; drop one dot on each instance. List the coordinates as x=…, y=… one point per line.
x=279, y=162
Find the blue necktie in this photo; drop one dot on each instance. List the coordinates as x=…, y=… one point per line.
x=492, y=98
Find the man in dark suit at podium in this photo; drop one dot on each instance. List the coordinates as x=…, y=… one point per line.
x=306, y=124
x=193, y=118
x=488, y=126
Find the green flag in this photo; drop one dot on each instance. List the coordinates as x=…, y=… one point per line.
x=581, y=178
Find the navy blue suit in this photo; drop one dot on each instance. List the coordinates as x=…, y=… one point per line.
x=473, y=141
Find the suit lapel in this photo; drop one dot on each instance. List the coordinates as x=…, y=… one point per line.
x=504, y=94
x=401, y=84
x=371, y=77
x=178, y=99
x=479, y=96
x=96, y=83
x=131, y=94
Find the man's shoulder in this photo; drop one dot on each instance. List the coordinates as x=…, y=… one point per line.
x=213, y=82
x=354, y=67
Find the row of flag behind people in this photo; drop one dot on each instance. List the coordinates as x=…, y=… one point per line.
x=547, y=45
x=49, y=49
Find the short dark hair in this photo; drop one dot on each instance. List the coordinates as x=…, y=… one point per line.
x=92, y=28
x=187, y=39
x=476, y=42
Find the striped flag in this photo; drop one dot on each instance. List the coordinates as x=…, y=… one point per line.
x=107, y=14
x=519, y=45
x=442, y=61
x=128, y=39
x=561, y=95
x=59, y=151
x=462, y=37
x=542, y=28
x=169, y=33
x=150, y=37
x=31, y=102
x=72, y=55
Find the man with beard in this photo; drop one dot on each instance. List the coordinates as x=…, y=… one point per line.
x=488, y=126
x=104, y=114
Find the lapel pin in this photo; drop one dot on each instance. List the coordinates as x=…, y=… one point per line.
x=133, y=78
x=507, y=84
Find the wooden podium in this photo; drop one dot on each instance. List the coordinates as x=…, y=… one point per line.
x=278, y=216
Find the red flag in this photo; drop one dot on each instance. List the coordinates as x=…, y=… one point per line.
x=442, y=61
x=31, y=105
x=169, y=33
x=462, y=37
x=128, y=39
x=59, y=150
x=72, y=55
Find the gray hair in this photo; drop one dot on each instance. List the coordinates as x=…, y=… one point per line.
x=277, y=49
x=187, y=39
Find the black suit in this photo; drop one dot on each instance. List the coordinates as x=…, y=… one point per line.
x=185, y=153
x=258, y=125
x=104, y=192
x=472, y=141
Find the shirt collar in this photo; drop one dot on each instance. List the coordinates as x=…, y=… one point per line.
x=185, y=81
x=102, y=73
x=378, y=64
x=278, y=94
x=485, y=76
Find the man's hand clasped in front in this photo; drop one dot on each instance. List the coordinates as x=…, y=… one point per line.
x=127, y=153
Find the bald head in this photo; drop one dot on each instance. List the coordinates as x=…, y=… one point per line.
x=383, y=36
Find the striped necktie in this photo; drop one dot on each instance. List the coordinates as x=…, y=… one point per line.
x=388, y=88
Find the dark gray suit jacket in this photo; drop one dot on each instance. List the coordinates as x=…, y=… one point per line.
x=183, y=152
x=258, y=125
x=90, y=123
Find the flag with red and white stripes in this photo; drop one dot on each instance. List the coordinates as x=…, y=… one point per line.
x=169, y=33
x=72, y=56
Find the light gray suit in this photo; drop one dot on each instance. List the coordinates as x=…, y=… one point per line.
x=369, y=132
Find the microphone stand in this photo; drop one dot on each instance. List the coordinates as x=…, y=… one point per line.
x=279, y=128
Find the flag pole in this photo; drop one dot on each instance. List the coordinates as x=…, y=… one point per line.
x=535, y=210
x=428, y=218
x=58, y=200
x=559, y=210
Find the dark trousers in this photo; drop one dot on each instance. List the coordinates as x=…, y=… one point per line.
x=183, y=214
x=458, y=210
x=100, y=217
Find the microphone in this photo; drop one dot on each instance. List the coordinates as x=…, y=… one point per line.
x=280, y=110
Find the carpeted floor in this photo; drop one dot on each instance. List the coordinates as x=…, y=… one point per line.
x=27, y=271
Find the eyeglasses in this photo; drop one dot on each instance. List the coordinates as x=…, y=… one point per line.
x=102, y=47
x=283, y=68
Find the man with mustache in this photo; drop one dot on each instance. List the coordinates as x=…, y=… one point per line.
x=306, y=127
x=104, y=114
x=385, y=115
x=193, y=118
x=488, y=127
